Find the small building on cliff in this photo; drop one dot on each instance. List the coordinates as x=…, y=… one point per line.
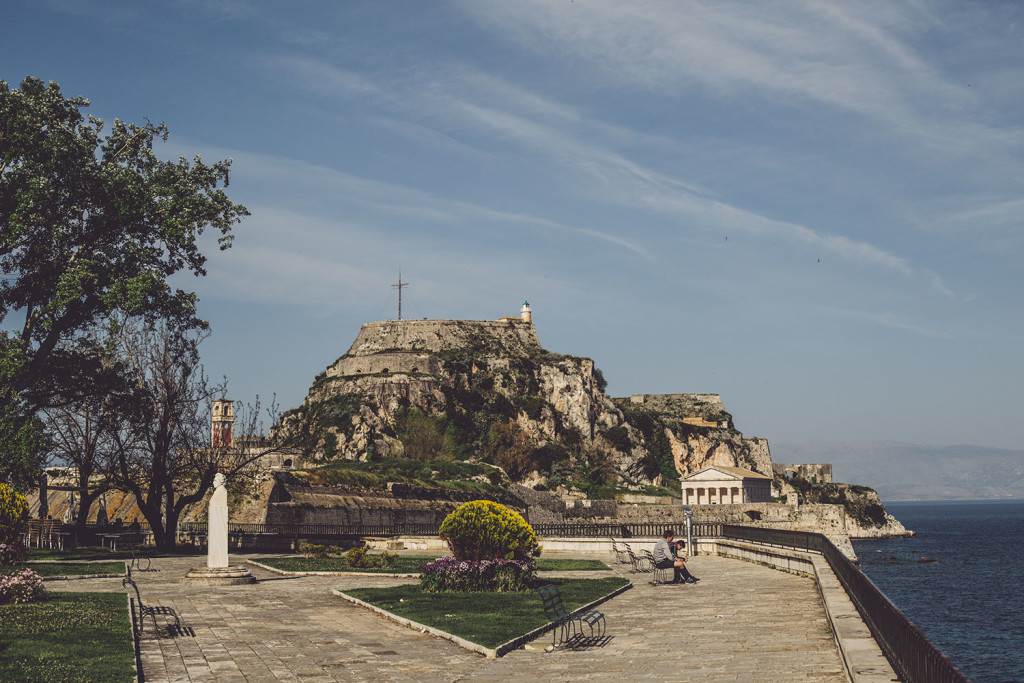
x=721, y=485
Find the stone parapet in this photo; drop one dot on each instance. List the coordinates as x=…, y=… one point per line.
x=511, y=337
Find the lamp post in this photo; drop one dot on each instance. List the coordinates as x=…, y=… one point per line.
x=688, y=511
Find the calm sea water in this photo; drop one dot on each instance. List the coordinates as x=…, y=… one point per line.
x=971, y=601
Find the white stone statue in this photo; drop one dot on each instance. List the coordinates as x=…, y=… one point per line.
x=217, y=527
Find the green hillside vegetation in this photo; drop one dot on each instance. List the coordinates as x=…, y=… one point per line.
x=431, y=474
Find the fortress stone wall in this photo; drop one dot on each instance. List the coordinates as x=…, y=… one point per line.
x=506, y=337
x=386, y=363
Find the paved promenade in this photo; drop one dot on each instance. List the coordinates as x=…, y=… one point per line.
x=742, y=622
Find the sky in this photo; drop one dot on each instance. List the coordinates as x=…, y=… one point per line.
x=811, y=208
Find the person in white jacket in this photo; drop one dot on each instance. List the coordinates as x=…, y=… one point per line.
x=665, y=557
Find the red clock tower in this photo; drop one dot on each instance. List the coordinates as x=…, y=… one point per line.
x=223, y=423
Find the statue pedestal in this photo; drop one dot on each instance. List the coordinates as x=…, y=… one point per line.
x=218, y=576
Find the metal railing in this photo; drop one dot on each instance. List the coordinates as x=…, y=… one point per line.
x=317, y=530
x=912, y=654
x=639, y=530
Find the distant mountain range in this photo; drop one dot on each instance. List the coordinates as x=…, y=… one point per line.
x=905, y=471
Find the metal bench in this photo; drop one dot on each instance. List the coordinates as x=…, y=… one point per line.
x=138, y=557
x=569, y=626
x=661, y=574
x=621, y=554
x=152, y=611
x=641, y=565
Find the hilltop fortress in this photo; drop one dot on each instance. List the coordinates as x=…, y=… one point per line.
x=547, y=438
x=488, y=391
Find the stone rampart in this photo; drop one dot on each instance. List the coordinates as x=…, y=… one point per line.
x=390, y=362
x=500, y=337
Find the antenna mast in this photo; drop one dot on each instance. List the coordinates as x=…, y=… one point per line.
x=400, y=285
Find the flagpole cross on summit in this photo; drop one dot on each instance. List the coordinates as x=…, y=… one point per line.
x=400, y=285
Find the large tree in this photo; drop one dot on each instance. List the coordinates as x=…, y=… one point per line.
x=91, y=223
x=165, y=456
x=82, y=432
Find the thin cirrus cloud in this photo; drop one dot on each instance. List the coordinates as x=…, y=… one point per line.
x=853, y=57
x=403, y=202
x=298, y=244
x=608, y=176
x=295, y=259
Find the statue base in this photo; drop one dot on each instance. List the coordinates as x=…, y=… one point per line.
x=218, y=576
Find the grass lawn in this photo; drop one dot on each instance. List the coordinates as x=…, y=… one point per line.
x=557, y=564
x=80, y=553
x=46, y=569
x=67, y=637
x=488, y=619
x=100, y=553
x=405, y=564
x=409, y=564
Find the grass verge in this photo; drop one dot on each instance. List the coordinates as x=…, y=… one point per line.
x=67, y=637
x=410, y=564
x=558, y=564
x=405, y=564
x=47, y=569
x=100, y=553
x=488, y=619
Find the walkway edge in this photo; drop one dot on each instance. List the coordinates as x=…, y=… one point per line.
x=285, y=572
x=490, y=653
x=861, y=654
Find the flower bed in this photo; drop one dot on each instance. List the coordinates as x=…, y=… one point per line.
x=11, y=554
x=23, y=585
x=450, y=575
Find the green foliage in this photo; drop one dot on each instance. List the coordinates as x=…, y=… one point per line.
x=48, y=569
x=13, y=512
x=21, y=433
x=596, y=473
x=659, y=459
x=424, y=437
x=482, y=530
x=359, y=558
x=602, y=383
x=93, y=223
x=315, y=551
x=532, y=405
x=452, y=475
x=510, y=448
x=314, y=422
x=548, y=455
x=619, y=438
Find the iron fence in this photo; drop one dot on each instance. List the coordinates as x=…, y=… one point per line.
x=912, y=654
x=317, y=530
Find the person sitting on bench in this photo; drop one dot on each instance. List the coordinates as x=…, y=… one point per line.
x=665, y=557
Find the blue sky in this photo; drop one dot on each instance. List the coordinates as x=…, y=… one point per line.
x=812, y=208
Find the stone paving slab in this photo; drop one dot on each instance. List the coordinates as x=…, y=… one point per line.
x=743, y=622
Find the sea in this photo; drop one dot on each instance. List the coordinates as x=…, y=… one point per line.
x=960, y=579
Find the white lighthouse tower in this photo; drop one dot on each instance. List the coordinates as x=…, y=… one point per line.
x=526, y=313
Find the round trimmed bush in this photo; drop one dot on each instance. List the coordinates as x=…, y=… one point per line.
x=484, y=530
x=13, y=510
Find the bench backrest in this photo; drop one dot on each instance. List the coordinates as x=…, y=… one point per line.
x=554, y=608
x=129, y=581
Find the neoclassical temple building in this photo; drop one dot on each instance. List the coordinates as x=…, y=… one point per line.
x=720, y=485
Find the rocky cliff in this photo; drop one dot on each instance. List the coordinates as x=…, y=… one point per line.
x=488, y=391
